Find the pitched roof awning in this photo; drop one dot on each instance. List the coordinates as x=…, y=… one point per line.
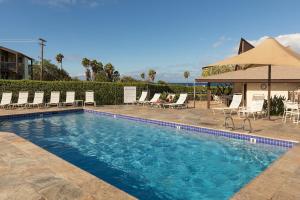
x=269, y=52
x=280, y=74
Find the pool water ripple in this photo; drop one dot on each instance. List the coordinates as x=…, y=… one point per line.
x=148, y=161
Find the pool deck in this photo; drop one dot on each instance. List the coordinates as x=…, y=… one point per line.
x=32, y=173
x=36, y=174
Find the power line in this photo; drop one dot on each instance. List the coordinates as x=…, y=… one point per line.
x=18, y=41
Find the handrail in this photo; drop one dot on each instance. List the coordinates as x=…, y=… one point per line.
x=244, y=125
x=226, y=124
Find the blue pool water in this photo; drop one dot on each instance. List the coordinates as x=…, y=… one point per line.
x=145, y=160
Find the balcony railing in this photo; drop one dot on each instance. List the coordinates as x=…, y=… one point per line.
x=10, y=66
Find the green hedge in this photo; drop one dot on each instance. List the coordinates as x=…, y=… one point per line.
x=106, y=93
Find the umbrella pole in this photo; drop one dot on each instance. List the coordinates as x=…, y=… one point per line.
x=194, y=94
x=269, y=91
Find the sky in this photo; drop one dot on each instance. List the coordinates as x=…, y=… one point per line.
x=170, y=36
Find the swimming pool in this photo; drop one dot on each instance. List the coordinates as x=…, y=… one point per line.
x=148, y=161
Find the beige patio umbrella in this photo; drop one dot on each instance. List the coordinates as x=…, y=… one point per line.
x=267, y=53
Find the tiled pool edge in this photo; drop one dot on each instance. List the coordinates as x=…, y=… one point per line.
x=279, y=181
x=197, y=129
x=258, y=188
x=41, y=112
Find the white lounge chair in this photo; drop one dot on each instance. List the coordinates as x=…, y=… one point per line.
x=70, y=98
x=89, y=98
x=234, y=105
x=142, y=98
x=291, y=109
x=170, y=97
x=6, y=99
x=22, y=99
x=180, y=103
x=38, y=100
x=255, y=108
x=154, y=99
x=217, y=99
x=54, y=99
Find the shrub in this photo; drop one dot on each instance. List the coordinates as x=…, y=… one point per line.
x=277, y=106
x=101, y=77
x=106, y=93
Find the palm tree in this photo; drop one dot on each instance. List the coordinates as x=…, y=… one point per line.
x=59, y=58
x=142, y=76
x=88, y=74
x=109, y=70
x=152, y=74
x=96, y=67
x=116, y=76
x=86, y=64
x=186, y=75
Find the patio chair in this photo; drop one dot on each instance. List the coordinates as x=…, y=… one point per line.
x=38, y=100
x=22, y=99
x=296, y=116
x=6, y=99
x=234, y=105
x=142, y=98
x=89, y=98
x=255, y=108
x=54, y=99
x=169, y=99
x=180, y=103
x=70, y=98
x=154, y=99
x=217, y=99
x=291, y=109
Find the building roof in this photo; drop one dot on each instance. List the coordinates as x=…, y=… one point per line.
x=14, y=52
x=244, y=46
x=280, y=74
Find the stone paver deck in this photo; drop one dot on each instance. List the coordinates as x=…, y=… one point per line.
x=281, y=181
x=205, y=118
x=22, y=166
x=29, y=172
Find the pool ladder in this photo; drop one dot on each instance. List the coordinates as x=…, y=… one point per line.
x=229, y=123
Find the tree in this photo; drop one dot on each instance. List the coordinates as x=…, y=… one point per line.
x=86, y=64
x=128, y=79
x=109, y=70
x=116, y=76
x=162, y=82
x=59, y=58
x=96, y=67
x=208, y=71
x=186, y=75
x=142, y=76
x=88, y=74
x=101, y=77
x=51, y=72
x=151, y=75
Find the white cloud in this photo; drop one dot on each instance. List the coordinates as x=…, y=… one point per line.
x=67, y=3
x=291, y=40
x=220, y=41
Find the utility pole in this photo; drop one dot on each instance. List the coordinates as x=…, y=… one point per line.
x=42, y=43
